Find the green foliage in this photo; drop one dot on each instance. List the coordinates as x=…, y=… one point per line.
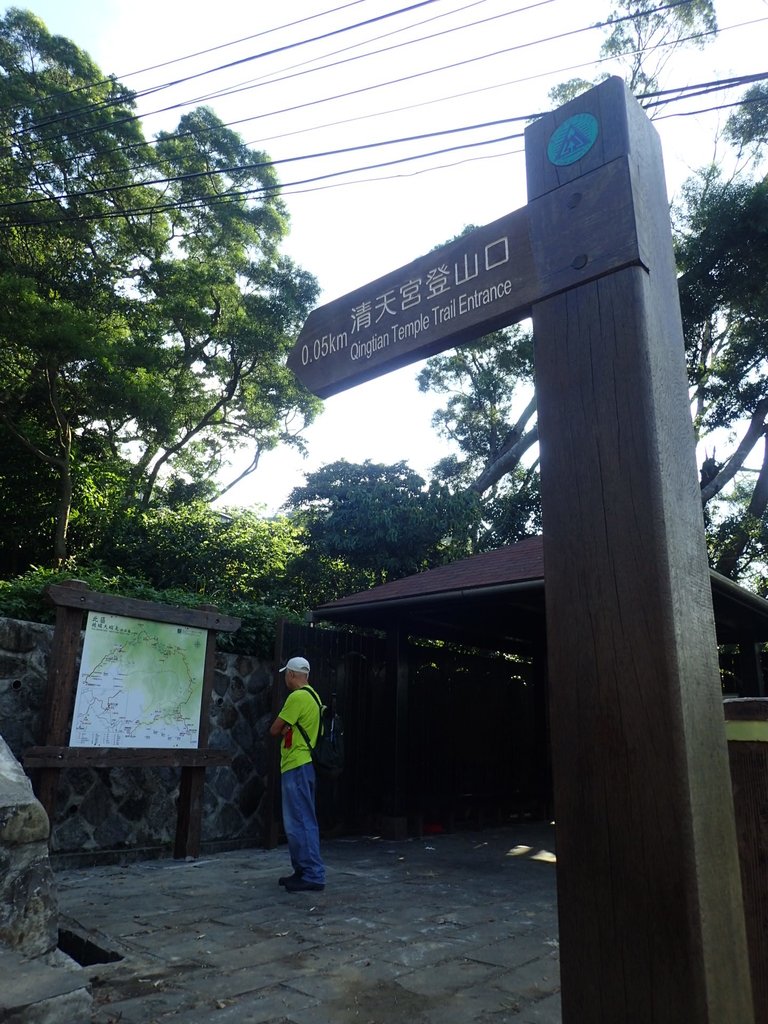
x=567, y=91
x=227, y=555
x=748, y=125
x=484, y=383
x=367, y=523
x=143, y=327
x=643, y=36
x=722, y=252
x=511, y=511
x=25, y=598
x=488, y=416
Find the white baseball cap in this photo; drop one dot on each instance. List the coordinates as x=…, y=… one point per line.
x=296, y=665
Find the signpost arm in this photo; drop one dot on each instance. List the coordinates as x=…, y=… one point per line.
x=649, y=894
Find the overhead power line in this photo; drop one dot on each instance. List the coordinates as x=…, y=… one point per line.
x=135, y=147
x=258, y=165
x=662, y=98
x=230, y=64
x=244, y=88
x=206, y=201
x=648, y=100
x=675, y=95
x=284, y=77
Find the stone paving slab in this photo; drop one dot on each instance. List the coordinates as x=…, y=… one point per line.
x=453, y=930
x=42, y=990
x=25, y=981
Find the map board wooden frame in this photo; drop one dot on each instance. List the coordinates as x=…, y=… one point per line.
x=72, y=599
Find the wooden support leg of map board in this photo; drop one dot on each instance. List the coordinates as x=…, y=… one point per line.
x=60, y=693
x=72, y=600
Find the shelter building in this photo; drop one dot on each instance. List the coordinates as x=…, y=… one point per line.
x=444, y=694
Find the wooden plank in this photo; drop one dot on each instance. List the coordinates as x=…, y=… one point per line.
x=60, y=694
x=209, y=671
x=749, y=709
x=189, y=817
x=72, y=599
x=121, y=757
x=750, y=669
x=112, y=604
x=190, y=813
x=649, y=893
x=272, y=824
x=397, y=684
x=484, y=280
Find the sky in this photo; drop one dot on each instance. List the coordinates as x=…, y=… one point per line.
x=297, y=82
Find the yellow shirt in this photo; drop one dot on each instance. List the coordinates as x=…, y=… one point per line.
x=300, y=706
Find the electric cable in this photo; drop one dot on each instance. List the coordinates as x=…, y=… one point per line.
x=234, y=63
x=674, y=95
x=133, y=147
x=244, y=88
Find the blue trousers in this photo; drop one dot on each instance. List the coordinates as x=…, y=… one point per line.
x=300, y=822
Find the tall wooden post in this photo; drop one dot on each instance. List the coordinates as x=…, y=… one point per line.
x=651, y=918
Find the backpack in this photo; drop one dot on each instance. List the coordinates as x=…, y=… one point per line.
x=328, y=752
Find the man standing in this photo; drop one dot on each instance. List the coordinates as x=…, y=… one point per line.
x=297, y=778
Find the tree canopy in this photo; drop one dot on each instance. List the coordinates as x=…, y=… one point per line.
x=365, y=523
x=722, y=253
x=145, y=307
x=490, y=416
x=644, y=36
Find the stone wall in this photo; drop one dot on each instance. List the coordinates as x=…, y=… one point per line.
x=108, y=813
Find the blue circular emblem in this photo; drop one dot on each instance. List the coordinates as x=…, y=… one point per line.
x=573, y=139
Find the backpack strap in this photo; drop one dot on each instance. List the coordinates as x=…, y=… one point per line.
x=303, y=731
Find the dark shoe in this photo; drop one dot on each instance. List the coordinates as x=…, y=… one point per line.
x=299, y=885
x=295, y=877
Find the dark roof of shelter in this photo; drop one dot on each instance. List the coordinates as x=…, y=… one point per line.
x=493, y=600
x=522, y=561
x=496, y=599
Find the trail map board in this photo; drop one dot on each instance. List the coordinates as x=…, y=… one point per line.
x=142, y=697
x=140, y=684
x=651, y=921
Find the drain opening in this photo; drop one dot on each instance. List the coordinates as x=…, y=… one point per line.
x=83, y=950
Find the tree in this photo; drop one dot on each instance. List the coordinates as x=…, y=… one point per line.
x=367, y=523
x=643, y=36
x=490, y=416
x=722, y=252
x=224, y=316
x=227, y=555
x=59, y=317
x=145, y=309
x=491, y=409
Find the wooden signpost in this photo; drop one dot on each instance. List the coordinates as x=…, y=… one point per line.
x=649, y=892
x=72, y=600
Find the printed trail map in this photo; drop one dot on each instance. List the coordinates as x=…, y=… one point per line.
x=140, y=684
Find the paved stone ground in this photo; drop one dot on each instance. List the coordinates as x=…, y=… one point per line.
x=455, y=929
